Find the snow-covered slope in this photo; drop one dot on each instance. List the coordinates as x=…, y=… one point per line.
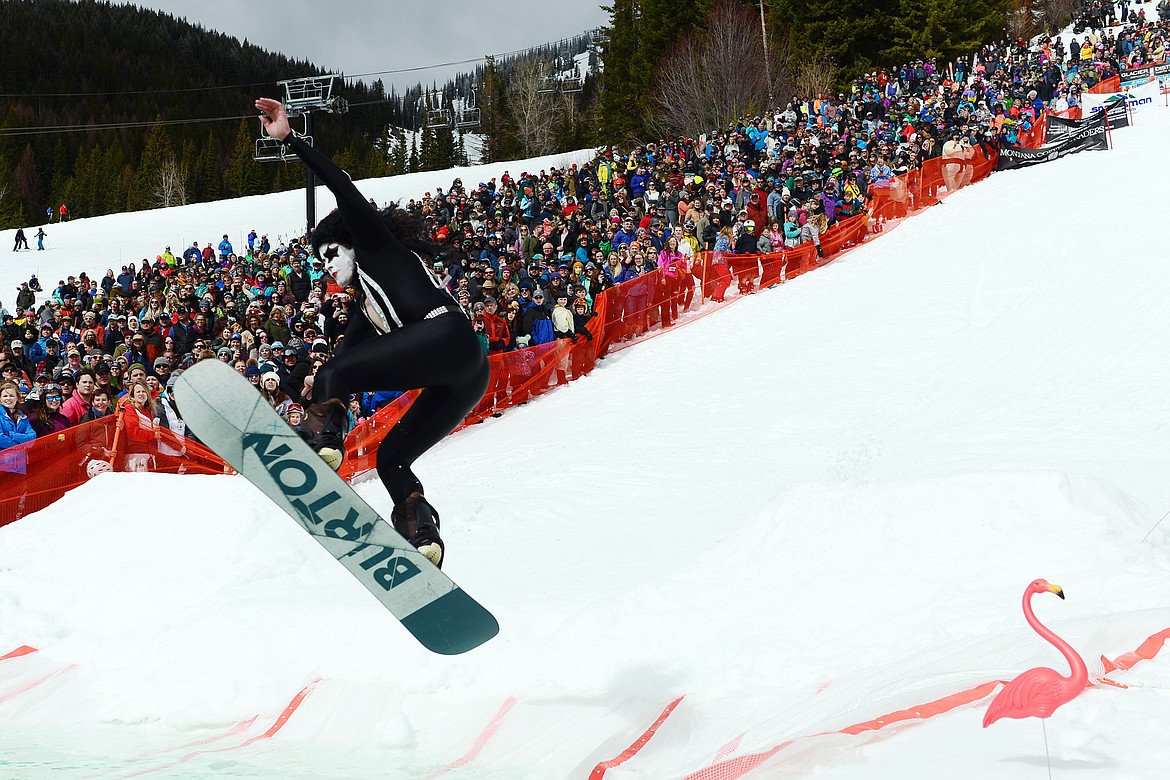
x=818, y=507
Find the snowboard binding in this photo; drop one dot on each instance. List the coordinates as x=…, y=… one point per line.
x=418, y=522
x=325, y=425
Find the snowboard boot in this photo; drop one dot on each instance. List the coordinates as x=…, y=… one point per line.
x=326, y=424
x=418, y=522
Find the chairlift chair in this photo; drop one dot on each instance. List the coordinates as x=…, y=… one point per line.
x=467, y=118
x=270, y=149
x=310, y=94
x=549, y=85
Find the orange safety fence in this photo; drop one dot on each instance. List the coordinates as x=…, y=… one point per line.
x=1035, y=136
x=938, y=178
x=1111, y=84
x=34, y=475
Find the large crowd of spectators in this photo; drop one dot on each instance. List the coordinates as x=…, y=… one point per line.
x=526, y=255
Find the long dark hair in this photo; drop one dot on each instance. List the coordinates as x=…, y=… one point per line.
x=404, y=225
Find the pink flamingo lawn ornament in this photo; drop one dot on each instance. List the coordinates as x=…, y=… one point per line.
x=1038, y=692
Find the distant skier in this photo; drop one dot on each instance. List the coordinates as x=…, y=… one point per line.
x=405, y=331
x=41, y=239
x=21, y=241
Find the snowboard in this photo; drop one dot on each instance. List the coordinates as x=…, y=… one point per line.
x=227, y=414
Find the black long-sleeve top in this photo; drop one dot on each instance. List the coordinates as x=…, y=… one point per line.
x=397, y=285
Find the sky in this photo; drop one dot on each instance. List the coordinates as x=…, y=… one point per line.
x=367, y=36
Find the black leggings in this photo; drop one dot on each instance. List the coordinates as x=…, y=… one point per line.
x=443, y=357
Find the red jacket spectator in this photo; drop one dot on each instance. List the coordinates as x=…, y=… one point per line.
x=495, y=327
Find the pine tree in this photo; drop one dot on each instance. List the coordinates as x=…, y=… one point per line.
x=460, y=156
x=620, y=114
x=377, y=162
x=243, y=175
x=59, y=185
x=10, y=209
x=398, y=153
x=347, y=161
x=189, y=162
x=26, y=178
x=210, y=184
x=660, y=26
x=287, y=176
x=851, y=33
x=412, y=163
x=493, y=114
x=156, y=154
x=85, y=180
x=115, y=178
x=443, y=152
x=924, y=29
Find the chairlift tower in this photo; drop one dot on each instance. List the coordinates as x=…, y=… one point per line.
x=301, y=98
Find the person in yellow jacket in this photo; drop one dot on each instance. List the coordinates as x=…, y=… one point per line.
x=605, y=173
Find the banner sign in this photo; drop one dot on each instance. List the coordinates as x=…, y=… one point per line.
x=1060, y=128
x=1091, y=134
x=1141, y=95
x=1143, y=74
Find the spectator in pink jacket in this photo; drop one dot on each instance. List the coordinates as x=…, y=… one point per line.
x=79, y=403
x=674, y=271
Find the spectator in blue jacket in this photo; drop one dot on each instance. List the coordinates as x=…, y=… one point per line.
x=627, y=235
x=192, y=254
x=225, y=248
x=15, y=429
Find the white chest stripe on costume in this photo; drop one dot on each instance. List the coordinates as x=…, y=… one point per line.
x=377, y=304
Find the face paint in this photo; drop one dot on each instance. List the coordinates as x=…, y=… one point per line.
x=340, y=263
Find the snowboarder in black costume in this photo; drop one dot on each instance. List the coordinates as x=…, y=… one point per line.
x=405, y=332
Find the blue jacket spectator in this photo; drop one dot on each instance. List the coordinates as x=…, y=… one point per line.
x=15, y=429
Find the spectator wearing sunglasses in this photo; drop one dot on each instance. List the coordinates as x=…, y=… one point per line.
x=45, y=414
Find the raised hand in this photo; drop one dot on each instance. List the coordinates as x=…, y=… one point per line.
x=273, y=118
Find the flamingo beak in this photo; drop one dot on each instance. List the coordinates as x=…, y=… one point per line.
x=1056, y=589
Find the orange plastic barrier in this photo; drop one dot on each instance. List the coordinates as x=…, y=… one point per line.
x=480, y=742
x=36, y=474
x=18, y=652
x=1111, y=84
x=276, y=726
x=604, y=766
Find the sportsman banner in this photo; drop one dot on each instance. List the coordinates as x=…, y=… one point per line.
x=1137, y=97
x=1093, y=135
